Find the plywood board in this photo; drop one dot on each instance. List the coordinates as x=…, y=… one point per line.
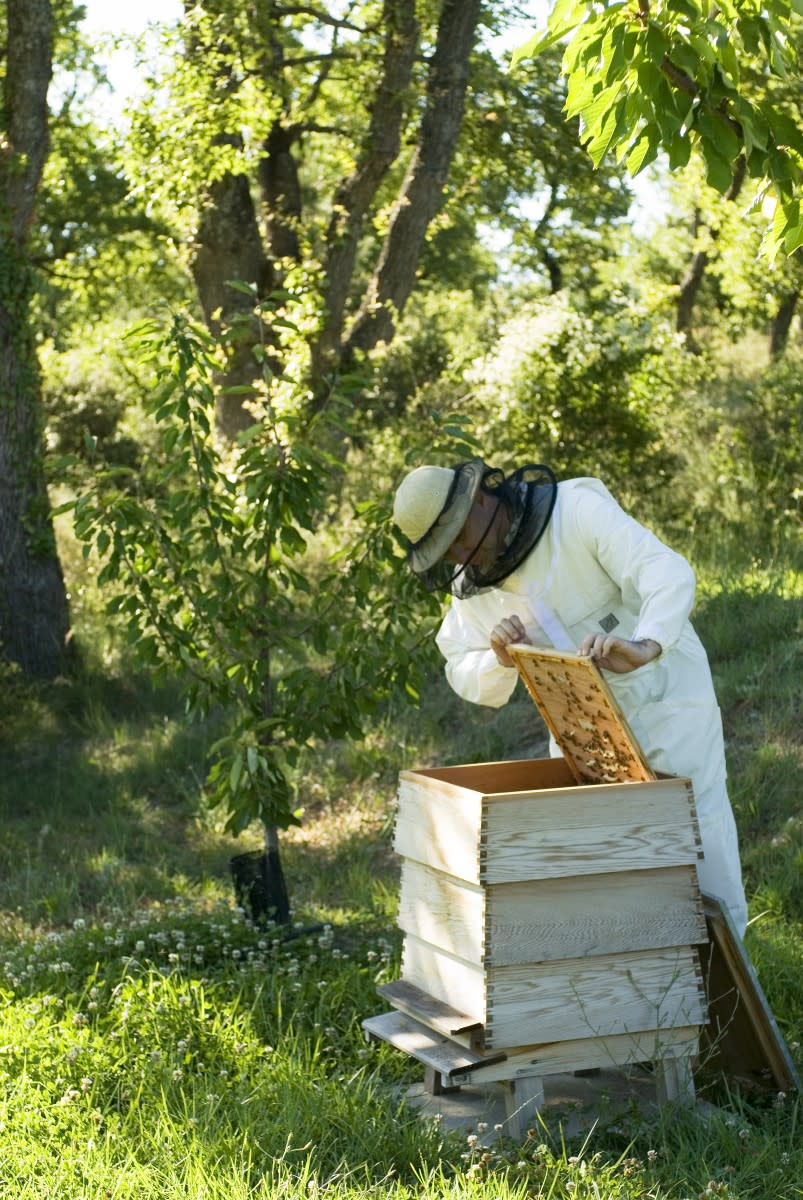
x=582, y=715
x=433, y=1013
x=594, y=997
x=434, y=1049
x=742, y=1038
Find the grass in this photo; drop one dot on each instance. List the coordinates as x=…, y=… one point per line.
x=154, y=1044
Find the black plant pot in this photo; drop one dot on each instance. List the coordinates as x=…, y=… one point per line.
x=260, y=887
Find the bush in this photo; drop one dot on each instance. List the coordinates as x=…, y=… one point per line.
x=587, y=392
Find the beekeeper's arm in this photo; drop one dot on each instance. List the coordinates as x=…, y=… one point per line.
x=472, y=667
x=655, y=581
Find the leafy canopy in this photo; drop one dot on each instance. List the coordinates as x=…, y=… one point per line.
x=684, y=75
x=225, y=572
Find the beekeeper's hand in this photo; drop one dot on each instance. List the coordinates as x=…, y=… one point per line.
x=509, y=630
x=618, y=654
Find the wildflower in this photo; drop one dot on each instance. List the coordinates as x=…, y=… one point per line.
x=178, y=1075
x=652, y=1155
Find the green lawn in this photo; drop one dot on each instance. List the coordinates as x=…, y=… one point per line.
x=154, y=1044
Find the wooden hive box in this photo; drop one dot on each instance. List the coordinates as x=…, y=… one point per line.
x=554, y=901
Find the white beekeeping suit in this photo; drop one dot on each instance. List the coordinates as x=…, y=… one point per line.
x=596, y=569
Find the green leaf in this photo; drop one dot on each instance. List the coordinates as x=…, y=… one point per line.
x=785, y=131
x=239, y=285
x=565, y=16
x=793, y=238
x=644, y=151
x=656, y=43
x=679, y=152
x=235, y=774
x=600, y=111
x=719, y=172
x=649, y=77
x=719, y=132
x=684, y=7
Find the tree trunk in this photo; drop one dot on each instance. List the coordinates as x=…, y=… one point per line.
x=692, y=280
x=34, y=618
x=779, y=332
x=228, y=247
x=356, y=193
x=421, y=193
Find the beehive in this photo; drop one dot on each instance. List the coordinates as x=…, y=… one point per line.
x=553, y=903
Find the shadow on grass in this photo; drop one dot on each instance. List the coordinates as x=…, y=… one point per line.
x=99, y=799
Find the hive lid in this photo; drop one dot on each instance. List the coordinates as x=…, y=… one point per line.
x=582, y=715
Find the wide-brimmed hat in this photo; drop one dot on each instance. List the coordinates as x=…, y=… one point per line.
x=431, y=506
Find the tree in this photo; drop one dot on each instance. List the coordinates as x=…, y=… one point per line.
x=312, y=152
x=217, y=582
x=34, y=619
x=679, y=75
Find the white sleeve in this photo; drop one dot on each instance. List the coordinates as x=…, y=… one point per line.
x=655, y=581
x=471, y=665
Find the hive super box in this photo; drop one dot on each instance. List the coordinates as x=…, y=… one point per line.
x=550, y=907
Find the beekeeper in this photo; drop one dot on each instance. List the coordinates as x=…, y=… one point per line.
x=527, y=559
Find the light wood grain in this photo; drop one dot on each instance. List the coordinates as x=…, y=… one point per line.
x=445, y=911
x=555, y=1058
x=435, y=1014
x=487, y=778
x=541, y=920
x=577, y=916
x=440, y=828
x=581, y=831
x=593, y=997
x=433, y=1049
x=448, y=978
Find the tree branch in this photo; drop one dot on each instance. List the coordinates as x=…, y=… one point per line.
x=421, y=194
x=379, y=151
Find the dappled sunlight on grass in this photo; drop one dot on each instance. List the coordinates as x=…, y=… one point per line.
x=155, y=1044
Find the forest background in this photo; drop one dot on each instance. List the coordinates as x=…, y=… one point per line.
x=327, y=243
